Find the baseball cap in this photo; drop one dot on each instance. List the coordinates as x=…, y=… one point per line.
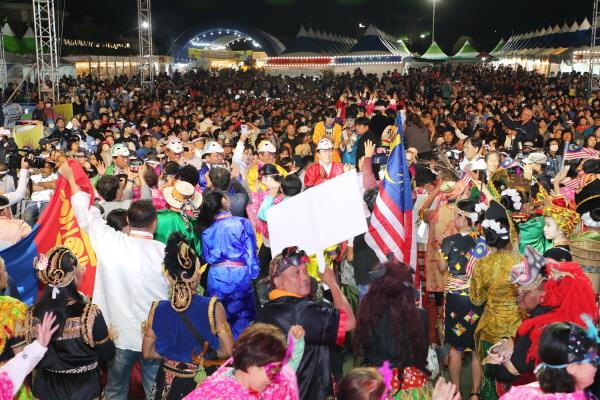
x=266, y=146
x=325, y=144
x=213, y=147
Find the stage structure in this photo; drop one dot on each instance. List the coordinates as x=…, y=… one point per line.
x=3, y=69
x=46, y=49
x=594, y=61
x=146, y=63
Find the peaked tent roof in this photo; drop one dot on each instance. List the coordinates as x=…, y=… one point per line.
x=374, y=42
x=467, y=51
x=585, y=24
x=12, y=44
x=28, y=41
x=403, y=48
x=434, y=52
x=498, y=47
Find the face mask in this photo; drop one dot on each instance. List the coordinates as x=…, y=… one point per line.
x=554, y=147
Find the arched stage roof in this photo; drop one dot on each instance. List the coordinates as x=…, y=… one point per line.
x=218, y=35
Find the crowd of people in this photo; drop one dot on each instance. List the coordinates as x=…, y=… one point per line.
x=505, y=176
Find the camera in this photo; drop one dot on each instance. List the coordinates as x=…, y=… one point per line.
x=33, y=158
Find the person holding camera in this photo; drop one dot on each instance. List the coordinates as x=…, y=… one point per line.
x=7, y=145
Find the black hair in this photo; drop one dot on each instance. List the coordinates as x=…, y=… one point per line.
x=475, y=142
x=591, y=166
x=141, y=214
x=107, y=187
x=423, y=175
x=468, y=206
x=172, y=264
x=369, y=198
x=212, y=204
x=507, y=202
x=117, y=219
x=220, y=178
x=329, y=113
x=291, y=185
x=188, y=174
x=496, y=239
x=362, y=121
x=58, y=305
x=270, y=169
x=553, y=349
x=171, y=168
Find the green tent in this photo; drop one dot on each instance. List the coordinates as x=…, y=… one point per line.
x=11, y=42
x=498, y=47
x=467, y=52
x=28, y=42
x=434, y=53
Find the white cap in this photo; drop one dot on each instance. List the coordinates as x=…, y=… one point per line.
x=4, y=132
x=119, y=150
x=174, y=144
x=325, y=144
x=266, y=146
x=213, y=147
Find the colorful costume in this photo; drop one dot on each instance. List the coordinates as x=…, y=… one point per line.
x=316, y=173
x=491, y=284
x=12, y=319
x=229, y=247
x=222, y=385
x=462, y=316
x=534, y=392
x=442, y=224
x=170, y=221
x=586, y=246
x=178, y=346
x=185, y=327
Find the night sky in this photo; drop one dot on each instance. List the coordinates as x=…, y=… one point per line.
x=485, y=21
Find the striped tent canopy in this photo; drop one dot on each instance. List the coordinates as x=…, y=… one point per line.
x=467, y=52
x=12, y=44
x=28, y=42
x=434, y=53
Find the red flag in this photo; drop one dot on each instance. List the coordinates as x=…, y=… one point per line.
x=58, y=226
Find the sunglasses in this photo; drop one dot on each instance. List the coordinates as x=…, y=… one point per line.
x=272, y=370
x=293, y=256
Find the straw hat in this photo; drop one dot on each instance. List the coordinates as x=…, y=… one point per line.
x=183, y=193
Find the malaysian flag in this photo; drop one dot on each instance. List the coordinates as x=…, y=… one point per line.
x=574, y=151
x=509, y=163
x=391, y=224
x=573, y=184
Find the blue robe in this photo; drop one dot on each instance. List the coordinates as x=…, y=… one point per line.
x=229, y=247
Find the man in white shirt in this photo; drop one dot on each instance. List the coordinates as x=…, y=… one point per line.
x=128, y=279
x=43, y=188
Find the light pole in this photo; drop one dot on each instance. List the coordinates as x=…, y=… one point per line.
x=433, y=27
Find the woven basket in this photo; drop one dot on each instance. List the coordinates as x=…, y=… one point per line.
x=586, y=252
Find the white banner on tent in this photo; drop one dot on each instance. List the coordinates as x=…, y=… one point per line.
x=322, y=216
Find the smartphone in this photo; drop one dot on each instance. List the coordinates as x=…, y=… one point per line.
x=244, y=128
